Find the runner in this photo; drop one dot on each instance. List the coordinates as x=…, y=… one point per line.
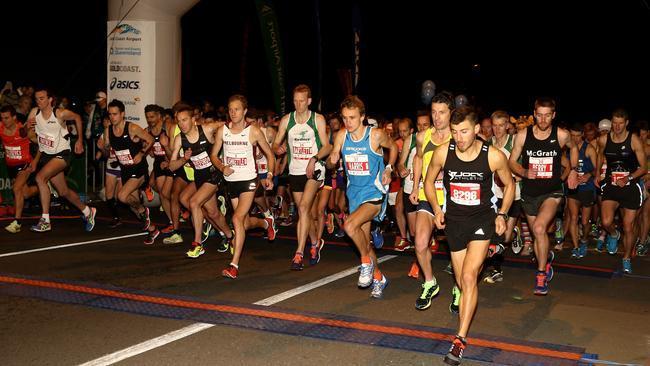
x=361, y=149
x=239, y=141
x=18, y=158
x=540, y=147
x=307, y=145
x=621, y=188
x=48, y=127
x=470, y=219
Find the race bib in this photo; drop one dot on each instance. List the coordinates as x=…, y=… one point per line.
x=46, y=141
x=124, y=157
x=158, y=149
x=543, y=167
x=13, y=153
x=466, y=194
x=357, y=164
x=302, y=150
x=603, y=170
x=619, y=175
x=261, y=167
x=237, y=159
x=201, y=161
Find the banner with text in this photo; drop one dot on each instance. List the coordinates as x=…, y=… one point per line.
x=131, y=66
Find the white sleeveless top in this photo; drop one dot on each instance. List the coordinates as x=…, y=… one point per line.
x=238, y=153
x=51, y=135
x=301, y=139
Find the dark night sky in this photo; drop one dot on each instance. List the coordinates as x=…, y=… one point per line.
x=589, y=55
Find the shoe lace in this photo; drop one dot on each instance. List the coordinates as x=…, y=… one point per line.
x=425, y=291
x=541, y=279
x=366, y=270
x=297, y=258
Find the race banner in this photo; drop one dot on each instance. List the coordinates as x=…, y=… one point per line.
x=131, y=66
x=273, y=46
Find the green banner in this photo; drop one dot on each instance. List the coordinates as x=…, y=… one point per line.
x=273, y=46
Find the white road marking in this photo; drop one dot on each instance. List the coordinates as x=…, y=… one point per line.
x=197, y=327
x=70, y=245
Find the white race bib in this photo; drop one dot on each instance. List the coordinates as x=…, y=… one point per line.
x=357, y=164
x=124, y=157
x=201, y=161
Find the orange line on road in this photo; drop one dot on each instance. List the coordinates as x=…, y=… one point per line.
x=289, y=317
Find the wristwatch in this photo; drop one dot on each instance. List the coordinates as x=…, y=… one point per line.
x=505, y=215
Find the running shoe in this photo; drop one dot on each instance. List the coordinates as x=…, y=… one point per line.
x=230, y=272
x=196, y=251
x=151, y=237
x=365, y=275
x=414, y=272
x=222, y=204
x=627, y=266
x=541, y=284
x=454, y=306
x=403, y=245
x=315, y=252
x=41, y=226
x=517, y=242
x=270, y=229
x=455, y=355
x=145, y=218
x=205, y=231
x=89, y=222
x=13, y=227
x=612, y=243
x=377, y=237
x=582, y=249
x=175, y=238
x=296, y=262
x=494, y=276
x=378, y=287
x=429, y=290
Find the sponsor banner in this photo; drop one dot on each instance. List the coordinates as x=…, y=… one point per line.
x=271, y=37
x=131, y=67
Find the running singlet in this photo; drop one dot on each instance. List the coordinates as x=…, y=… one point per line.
x=159, y=154
x=52, y=136
x=238, y=153
x=200, y=159
x=16, y=147
x=262, y=163
x=303, y=143
x=621, y=159
x=364, y=168
x=585, y=165
x=469, y=185
x=125, y=148
x=544, y=157
x=428, y=147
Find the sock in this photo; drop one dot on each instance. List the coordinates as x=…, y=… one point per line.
x=86, y=211
x=234, y=265
x=366, y=260
x=377, y=275
x=430, y=283
x=46, y=217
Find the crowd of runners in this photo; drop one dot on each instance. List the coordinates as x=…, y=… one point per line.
x=486, y=185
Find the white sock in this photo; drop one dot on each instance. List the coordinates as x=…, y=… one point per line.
x=46, y=217
x=430, y=283
x=86, y=211
x=234, y=265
